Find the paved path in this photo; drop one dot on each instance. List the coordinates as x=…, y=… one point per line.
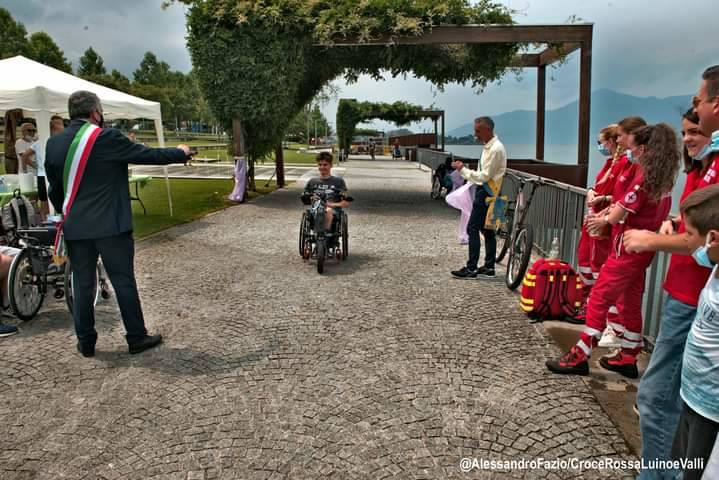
x=383, y=367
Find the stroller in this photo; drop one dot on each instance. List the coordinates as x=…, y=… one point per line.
x=441, y=180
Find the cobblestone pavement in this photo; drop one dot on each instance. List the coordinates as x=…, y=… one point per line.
x=383, y=367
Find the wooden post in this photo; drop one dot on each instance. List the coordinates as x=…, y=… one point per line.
x=238, y=147
x=541, y=109
x=443, y=130
x=585, y=93
x=435, y=133
x=280, y=166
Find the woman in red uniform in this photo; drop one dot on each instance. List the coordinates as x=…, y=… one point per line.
x=593, y=251
x=644, y=205
x=624, y=171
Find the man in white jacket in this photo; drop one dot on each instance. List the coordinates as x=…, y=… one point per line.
x=488, y=180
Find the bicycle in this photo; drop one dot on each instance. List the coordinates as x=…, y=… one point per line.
x=515, y=237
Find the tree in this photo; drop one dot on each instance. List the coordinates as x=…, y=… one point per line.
x=156, y=94
x=91, y=65
x=115, y=80
x=350, y=112
x=13, y=36
x=152, y=72
x=43, y=49
x=305, y=122
x=178, y=94
x=262, y=62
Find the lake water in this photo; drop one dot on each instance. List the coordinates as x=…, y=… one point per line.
x=565, y=154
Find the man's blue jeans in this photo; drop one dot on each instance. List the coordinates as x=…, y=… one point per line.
x=658, y=398
x=476, y=225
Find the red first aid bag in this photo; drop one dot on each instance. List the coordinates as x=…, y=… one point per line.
x=551, y=290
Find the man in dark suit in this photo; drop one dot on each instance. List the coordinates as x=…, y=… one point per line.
x=100, y=220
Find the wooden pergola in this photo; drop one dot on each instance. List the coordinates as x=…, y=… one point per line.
x=561, y=40
x=433, y=115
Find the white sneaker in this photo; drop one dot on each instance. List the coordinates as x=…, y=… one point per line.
x=609, y=339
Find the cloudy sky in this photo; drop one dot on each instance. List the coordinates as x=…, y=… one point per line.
x=641, y=47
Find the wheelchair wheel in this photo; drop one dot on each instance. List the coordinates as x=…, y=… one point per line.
x=100, y=287
x=345, y=237
x=436, y=188
x=321, y=254
x=304, y=228
x=26, y=288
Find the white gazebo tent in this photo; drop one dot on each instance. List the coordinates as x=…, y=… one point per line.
x=43, y=91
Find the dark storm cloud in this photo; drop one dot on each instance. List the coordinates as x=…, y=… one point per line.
x=121, y=32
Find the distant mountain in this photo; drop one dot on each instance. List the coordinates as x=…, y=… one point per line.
x=399, y=132
x=608, y=106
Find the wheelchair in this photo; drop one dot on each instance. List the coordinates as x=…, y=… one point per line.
x=33, y=273
x=441, y=182
x=314, y=241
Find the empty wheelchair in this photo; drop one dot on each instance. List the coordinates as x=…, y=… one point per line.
x=33, y=274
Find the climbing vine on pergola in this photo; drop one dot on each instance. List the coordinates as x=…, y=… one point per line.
x=350, y=112
x=262, y=61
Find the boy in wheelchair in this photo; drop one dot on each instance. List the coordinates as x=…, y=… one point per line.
x=334, y=187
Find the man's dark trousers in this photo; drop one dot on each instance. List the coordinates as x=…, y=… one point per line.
x=476, y=225
x=118, y=256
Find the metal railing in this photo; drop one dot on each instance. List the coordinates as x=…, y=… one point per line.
x=557, y=211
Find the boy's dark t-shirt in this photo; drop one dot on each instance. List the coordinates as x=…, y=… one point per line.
x=317, y=183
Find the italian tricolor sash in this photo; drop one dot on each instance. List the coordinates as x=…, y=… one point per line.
x=75, y=163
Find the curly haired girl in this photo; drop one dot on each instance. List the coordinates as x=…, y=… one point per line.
x=644, y=205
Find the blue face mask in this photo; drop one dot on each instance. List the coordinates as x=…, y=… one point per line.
x=604, y=151
x=704, y=153
x=701, y=255
x=709, y=148
x=631, y=157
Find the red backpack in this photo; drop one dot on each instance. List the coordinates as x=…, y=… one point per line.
x=551, y=289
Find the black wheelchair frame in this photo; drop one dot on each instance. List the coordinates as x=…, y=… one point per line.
x=314, y=241
x=33, y=273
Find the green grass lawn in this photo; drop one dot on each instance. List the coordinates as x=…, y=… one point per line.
x=191, y=143
x=191, y=199
x=291, y=156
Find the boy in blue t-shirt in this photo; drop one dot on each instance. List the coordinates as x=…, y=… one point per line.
x=699, y=421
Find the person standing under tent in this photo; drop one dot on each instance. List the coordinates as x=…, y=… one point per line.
x=57, y=125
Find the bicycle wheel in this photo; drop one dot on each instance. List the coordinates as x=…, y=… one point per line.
x=436, y=188
x=26, y=288
x=304, y=223
x=504, y=236
x=69, y=297
x=345, y=237
x=519, y=257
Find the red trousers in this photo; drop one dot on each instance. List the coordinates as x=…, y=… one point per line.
x=592, y=253
x=622, y=284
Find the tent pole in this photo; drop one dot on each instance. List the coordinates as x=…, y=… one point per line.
x=42, y=118
x=161, y=143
